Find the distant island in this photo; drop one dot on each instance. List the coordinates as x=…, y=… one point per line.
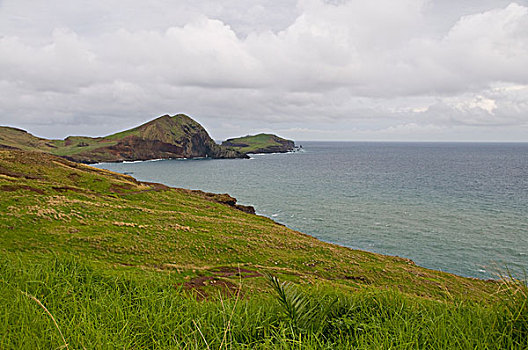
x=166, y=137
x=261, y=143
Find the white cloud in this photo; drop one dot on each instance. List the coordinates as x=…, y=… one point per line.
x=375, y=66
x=480, y=102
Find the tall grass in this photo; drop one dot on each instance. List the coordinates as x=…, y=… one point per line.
x=514, y=309
x=97, y=309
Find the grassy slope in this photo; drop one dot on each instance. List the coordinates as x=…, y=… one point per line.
x=72, y=145
x=108, y=257
x=116, y=221
x=25, y=141
x=255, y=142
x=166, y=129
x=20, y=139
x=95, y=310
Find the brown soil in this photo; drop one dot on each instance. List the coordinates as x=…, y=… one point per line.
x=67, y=188
x=12, y=188
x=120, y=188
x=205, y=287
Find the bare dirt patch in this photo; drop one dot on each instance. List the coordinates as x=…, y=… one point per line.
x=206, y=287
x=67, y=188
x=121, y=188
x=13, y=188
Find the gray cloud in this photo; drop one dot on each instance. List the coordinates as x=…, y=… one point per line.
x=383, y=69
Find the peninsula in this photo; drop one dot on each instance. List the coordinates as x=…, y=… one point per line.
x=166, y=137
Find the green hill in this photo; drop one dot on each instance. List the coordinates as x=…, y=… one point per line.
x=261, y=143
x=178, y=136
x=13, y=138
x=114, y=262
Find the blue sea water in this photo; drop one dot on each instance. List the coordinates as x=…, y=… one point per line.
x=455, y=207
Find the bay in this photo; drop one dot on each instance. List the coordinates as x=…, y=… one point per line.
x=455, y=207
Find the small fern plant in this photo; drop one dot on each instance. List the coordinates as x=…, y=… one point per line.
x=302, y=313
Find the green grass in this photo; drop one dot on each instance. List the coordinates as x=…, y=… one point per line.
x=70, y=146
x=52, y=204
x=164, y=128
x=123, y=264
x=78, y=144
x=16, y=138
x=115, y=309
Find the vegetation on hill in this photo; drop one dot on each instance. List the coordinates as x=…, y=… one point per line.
x=178, y=136
x=13, y=138
x=92, y=259
x=261, y=143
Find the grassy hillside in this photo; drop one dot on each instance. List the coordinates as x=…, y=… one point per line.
x=13, y=138
x=178, y=136
x=261, y=143
x=74, y=145
x=165, y=129
x=120, y=263
x=55, y=205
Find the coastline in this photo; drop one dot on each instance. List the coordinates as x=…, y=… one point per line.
x=226, y=199
x=89, y=243
x=378, y=201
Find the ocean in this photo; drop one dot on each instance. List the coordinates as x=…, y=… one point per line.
x=456, y=207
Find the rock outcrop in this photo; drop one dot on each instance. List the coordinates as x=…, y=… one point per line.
x=223, y=198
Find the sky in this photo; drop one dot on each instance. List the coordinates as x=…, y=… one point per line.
x=377, y=70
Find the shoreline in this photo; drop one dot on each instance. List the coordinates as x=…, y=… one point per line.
x=403, y=212
x=212, y=195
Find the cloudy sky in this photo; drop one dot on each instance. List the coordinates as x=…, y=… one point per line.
x=415, y=70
